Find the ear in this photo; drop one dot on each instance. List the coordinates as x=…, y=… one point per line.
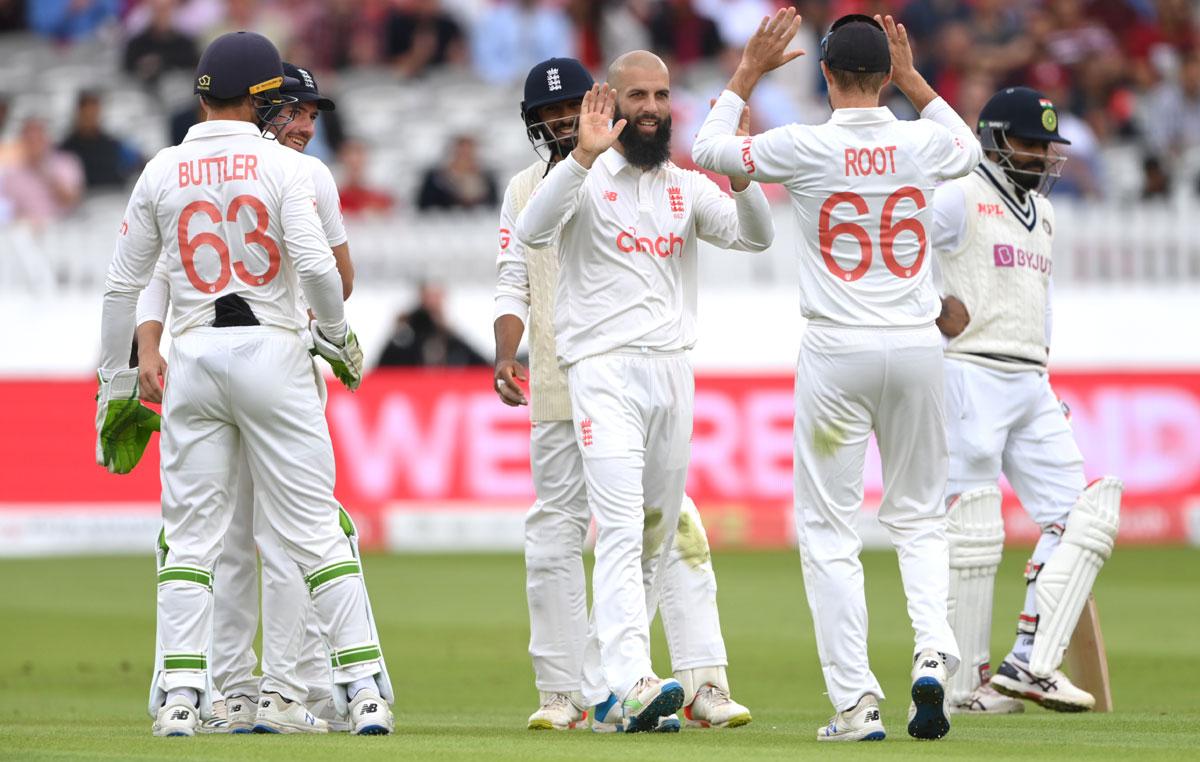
x=888, y=79
x=828, y=78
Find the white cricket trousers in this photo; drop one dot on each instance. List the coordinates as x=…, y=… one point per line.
x=850, y=382
x=633, y=424
x=251, y=387
x=295, y=663
x=555, y=531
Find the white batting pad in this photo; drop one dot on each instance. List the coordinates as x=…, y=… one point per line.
x=975, y=534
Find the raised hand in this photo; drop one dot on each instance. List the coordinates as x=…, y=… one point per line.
x=595, y=133
x=902, y=57
x=743, y=128
x=766, y=49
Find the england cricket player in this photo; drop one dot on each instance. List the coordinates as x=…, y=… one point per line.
x=234, y=216
x=870, y=358
x=993, y=235
x=556, y=525
x=626, y=222
x=295, y=666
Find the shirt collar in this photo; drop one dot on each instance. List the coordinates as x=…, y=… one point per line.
x=863, y=115
x=614, y=161
x=220, y=127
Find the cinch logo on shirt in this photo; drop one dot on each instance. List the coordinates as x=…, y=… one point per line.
x=747, y=162
x=664, y=245
x=861, y=162
x=505, y=238
x=991, y=210
x=1005, y=255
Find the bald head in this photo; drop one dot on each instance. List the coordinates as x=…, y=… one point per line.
x=635, y=63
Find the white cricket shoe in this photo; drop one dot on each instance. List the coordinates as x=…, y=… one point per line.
x=714, y=708
x=648, y=701
x=219, y=722
x=606, y=718
x=987, y=700
x=241, y=711
x=927, y=716
x=324, y=708
x=278, y=715
x=559, y=711
x=177, y=717
x=1056, y=692
x=370, y=714
x=859, y=723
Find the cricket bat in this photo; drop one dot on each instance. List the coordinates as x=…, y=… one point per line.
x=1087, y=661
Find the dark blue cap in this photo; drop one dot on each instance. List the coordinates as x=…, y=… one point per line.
x=856, y=43
x=302, y=85
x=1021, y=112
x=239, y=63
x=553, y=81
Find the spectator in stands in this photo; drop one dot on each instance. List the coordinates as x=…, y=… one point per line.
x=45, y=184
x=513, y=35
x=12, y=15
x=160, y=47
x=460, y=183
x=681, y=35
x=1170, y=113
x=357, y=196
x=107, y=162
x=9, y=151
x=420, y=36
x=70, y=20
x=422, y=338
x=1156, y=182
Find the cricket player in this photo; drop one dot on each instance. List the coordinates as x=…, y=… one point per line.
x=626, y=222
x=556, y=525
x=993, y=234
x=870, y=360
x=234, y=216
x=295, y=669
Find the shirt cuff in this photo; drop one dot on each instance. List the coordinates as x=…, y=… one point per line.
x=511, y=305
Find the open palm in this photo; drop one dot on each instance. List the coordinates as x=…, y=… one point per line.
x=596, y=131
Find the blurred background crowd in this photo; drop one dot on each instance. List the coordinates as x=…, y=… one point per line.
x=427, y=129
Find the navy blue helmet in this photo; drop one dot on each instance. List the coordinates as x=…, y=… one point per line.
x=553, y=81
x=301, y=84
x=1024, y=113
x=243, y=63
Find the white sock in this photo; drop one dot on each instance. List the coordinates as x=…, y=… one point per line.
x=190, y=694
x=358, y=685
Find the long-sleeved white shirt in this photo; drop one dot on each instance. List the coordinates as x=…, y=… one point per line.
x=230, y=213
x=861, y=187
x=627, y=242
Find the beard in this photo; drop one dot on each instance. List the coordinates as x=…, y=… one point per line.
x=641, y=151
x=1028, y=175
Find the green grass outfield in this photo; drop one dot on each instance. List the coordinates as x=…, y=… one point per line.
x=76, y=651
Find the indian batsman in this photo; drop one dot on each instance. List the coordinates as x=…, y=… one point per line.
x=295, y=666
x=870, y=359
x=626, y=222
x=993, y=233
x=556, y=525
x=234, y=217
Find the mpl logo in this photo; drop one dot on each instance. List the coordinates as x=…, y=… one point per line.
x=1003, y=255
x=664, y=245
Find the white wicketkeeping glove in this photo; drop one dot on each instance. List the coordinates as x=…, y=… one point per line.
x=346, y=360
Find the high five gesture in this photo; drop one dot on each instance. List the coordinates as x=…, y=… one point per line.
x=766, y=50
x=596, y=131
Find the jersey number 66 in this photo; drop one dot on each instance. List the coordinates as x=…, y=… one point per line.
x=887, y=233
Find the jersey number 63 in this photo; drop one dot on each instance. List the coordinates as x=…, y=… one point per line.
x=188, y=246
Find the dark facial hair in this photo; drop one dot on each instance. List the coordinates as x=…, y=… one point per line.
x=645, y=152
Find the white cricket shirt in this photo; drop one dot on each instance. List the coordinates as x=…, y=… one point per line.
x=627, y=250
x=231, y=213
x=861, y=186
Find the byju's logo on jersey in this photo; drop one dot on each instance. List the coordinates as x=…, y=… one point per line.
x=1004, y=255
x=553, y=81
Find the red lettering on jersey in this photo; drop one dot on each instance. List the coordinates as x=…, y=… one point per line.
x=610, y=195
x=991, y=210
x=747, y=162
x=663, y=246
x=124, y=227
x=215, y=170
x=505, y=238
x=861, y=162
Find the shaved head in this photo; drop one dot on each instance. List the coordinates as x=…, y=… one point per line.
x=641, y=60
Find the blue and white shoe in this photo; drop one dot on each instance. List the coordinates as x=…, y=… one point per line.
x=928, y=719
x=370, y=714
x=278, y=715
x=606, y=718
x=648, y=701
x=177, y=717
x=859, y=723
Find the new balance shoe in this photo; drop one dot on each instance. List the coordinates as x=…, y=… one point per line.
x=649, y=700
x=606, y=718
x=927, y=717
x=241, y=711
x=278, y=715
x=987, y=700
x=1055, y=692
x=370, y=714
x=559, y=711
x=177, y=717
x=219, y=722
x=859, y=723
x=714, y=708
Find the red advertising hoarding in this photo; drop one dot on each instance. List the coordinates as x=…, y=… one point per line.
x=432, y=459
